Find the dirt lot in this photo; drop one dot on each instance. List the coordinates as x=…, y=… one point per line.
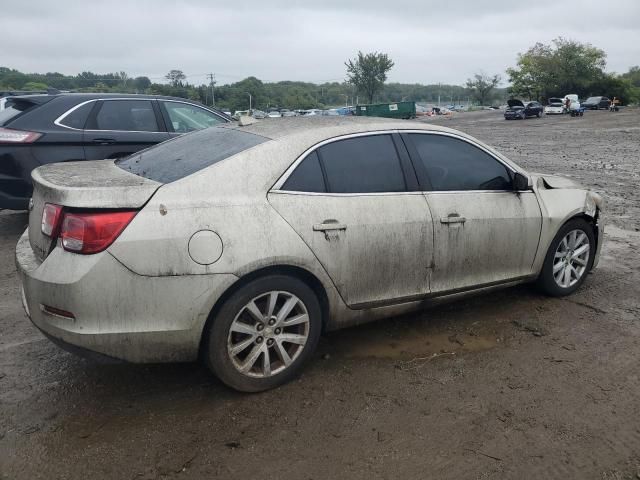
x=506, y=385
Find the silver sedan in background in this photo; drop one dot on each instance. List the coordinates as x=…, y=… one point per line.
x=241, y=244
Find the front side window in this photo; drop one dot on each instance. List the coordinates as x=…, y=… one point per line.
x=185, y=118
x=452, y=164
x=366, y=164
x=127, y=115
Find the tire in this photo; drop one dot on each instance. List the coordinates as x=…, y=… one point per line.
x=538, y=114
x=234, y=326
x=547, y=281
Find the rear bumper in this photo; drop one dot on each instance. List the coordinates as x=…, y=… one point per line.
x=14, y=202
x=16, y=163
x=117, y=313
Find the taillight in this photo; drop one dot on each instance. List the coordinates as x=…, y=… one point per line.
x=8, y=135
x=93, y=232
x=51, y=219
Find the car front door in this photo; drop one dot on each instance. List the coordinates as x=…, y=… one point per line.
x=484, y=231
x=119, y=127
x=356, y=203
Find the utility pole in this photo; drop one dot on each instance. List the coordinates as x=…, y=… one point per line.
x=212, y=82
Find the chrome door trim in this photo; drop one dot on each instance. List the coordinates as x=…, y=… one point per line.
x=284, y=177
x=65, y=114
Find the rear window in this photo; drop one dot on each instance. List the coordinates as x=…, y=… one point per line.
x=187, y=154
x=13, y=109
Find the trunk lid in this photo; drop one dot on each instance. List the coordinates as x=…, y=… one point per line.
x=81, y=185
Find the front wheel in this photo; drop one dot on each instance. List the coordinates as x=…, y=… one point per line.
x=264, y=333
x=569, y=259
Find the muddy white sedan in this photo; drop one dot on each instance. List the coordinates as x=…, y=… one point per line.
x=241, y=244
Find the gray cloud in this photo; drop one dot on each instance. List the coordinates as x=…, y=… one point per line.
x=430, y=40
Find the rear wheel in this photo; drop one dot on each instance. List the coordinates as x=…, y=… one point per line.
x=569, y=259
x=264, y=333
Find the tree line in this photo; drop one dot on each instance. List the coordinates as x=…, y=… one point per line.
x=235, y=96
x=544, y=71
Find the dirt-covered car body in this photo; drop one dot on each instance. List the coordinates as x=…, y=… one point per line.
x=198, y=234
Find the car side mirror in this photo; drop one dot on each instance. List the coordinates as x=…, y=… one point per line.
x=520, y=182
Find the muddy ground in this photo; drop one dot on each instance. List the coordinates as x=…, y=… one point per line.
x=510, y=384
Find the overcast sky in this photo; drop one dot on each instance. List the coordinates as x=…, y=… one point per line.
x=430, y=40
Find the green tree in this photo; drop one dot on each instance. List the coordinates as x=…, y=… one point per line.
x=564, y=66
x=175, y=77
x=141, y=84
x=368, y=72
x=481, y=86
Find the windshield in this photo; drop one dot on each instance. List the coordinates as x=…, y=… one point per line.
x=187, y=154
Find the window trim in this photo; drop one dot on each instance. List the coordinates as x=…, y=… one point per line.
x=58, y=120
x=277, y=186
x=417, y=162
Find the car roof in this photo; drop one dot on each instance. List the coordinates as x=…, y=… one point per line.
x=317, y=128
x=92, y=96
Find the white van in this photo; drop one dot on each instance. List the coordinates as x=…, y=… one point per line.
x=574, y=102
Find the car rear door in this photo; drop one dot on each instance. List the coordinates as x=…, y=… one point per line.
x=119, y=127
x=356, y=203
x=484, y=231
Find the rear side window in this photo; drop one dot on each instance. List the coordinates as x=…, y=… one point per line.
x=126, y=115
x=78, y=117
x=367, y=164
x=307, y=177
x=452, y=164
x=187, y=154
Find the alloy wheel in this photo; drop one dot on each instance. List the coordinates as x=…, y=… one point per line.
x=268, y=334
x=571, y=258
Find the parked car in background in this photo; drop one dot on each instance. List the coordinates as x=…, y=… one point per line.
x=596, y=103
x=285, y=112
x=274, y=114
x=40, y=129
x=241, y=255
x=259, y=114
x=554, y=106
x=331, y=112
x=517, y=109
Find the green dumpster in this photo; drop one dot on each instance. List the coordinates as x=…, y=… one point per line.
x=388, y=110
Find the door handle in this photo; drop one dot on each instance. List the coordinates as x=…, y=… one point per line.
x=453, y=218
x=104, y=141
x=328, y=225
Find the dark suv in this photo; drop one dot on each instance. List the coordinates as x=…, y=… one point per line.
x=40, y=129
x=596, y=103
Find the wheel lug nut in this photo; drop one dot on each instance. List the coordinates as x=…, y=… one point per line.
x=260, y=327
x=259, y=340
x=270, y=342
x=277, y=331
x=272, y=321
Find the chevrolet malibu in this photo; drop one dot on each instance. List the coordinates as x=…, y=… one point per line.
x=240, y=245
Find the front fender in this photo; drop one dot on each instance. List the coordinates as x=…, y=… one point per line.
x=561, y=200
